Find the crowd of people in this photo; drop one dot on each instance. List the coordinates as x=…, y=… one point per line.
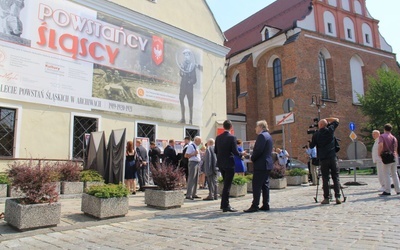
x=224, y=156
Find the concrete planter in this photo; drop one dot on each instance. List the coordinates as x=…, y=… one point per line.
x=163, y=199
x=304, y=179
x=58, y=187
x=235, y=191
x=250, y=187
x=88, y=184
x=294, y=180
x=3, y=190
x=104, y=208
x=71, y=187
x=277, y=183
x=32, y=216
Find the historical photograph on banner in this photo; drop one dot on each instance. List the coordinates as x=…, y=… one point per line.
x=63, y=54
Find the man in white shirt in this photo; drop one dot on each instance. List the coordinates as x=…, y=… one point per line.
x=377, y=160
x=283, y=156
x=193, y=154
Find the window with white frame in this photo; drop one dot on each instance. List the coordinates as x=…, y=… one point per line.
x=82, y=125
x=367, y=34
x=146, y=130
x=346, y=5
x=330, y=23
x=358, y=7
x=349, y=29
x=192, y=133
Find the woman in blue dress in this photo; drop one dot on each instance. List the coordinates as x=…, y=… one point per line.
x=240, y=168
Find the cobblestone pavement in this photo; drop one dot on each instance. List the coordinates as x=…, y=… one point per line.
x=364, y=221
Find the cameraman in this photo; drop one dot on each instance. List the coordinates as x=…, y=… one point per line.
x=324, y=140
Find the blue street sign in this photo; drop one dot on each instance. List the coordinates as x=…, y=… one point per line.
x=352, y=126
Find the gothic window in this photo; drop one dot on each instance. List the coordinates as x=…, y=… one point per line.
x=82, y=126
x=277, y=77
x=323, y=76
x=237, y=91
x=7, y=131
x=357, y=79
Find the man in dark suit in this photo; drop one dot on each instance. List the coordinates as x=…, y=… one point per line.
x=262, y=164
x=155, y=155
x=225, y=149
x=170, y=157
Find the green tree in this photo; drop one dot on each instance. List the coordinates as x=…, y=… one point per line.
x=381, y=102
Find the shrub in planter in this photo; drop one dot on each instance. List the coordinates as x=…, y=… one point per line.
x=39, y=206
x=167, y=177
x=297, y=172
x=169, y=183
x=90, y=178
x=106, y=201
x=249, y=178
x=277, y=171
x=277, y=177
x=238, y=188
x=69, y=176
x=4, y=182
x=295, y=176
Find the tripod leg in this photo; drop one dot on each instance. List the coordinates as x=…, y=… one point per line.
x=344, y=197
x=316, y=194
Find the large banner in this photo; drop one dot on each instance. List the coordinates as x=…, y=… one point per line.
x=63, y=54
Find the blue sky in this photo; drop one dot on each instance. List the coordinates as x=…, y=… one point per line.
x=230, y=12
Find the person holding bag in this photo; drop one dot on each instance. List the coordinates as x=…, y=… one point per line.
x=387, y=150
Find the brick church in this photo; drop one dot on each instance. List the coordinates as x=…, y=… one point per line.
x=300, y=52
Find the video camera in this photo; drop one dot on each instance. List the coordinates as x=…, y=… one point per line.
x=313, y=127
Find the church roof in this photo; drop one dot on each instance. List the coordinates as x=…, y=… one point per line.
x=281, y=14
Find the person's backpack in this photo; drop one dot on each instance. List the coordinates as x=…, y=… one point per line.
x=184, y=161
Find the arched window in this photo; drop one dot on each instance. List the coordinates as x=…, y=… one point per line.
x=322, y=76
x=357, y=79
x=330, y=23
x=349, y=29
x=346, y=5
x=357, y=7
x=367, y=33
x=237, y=90
x=277, y=77
x=332, y=2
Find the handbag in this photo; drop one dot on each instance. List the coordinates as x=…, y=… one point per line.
x=387, y=156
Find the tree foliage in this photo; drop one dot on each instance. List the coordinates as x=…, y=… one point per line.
x=381, y=102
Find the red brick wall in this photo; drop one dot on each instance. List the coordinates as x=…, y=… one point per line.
x=300, y=59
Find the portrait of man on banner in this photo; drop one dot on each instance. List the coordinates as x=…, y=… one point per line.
x=187, y=65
